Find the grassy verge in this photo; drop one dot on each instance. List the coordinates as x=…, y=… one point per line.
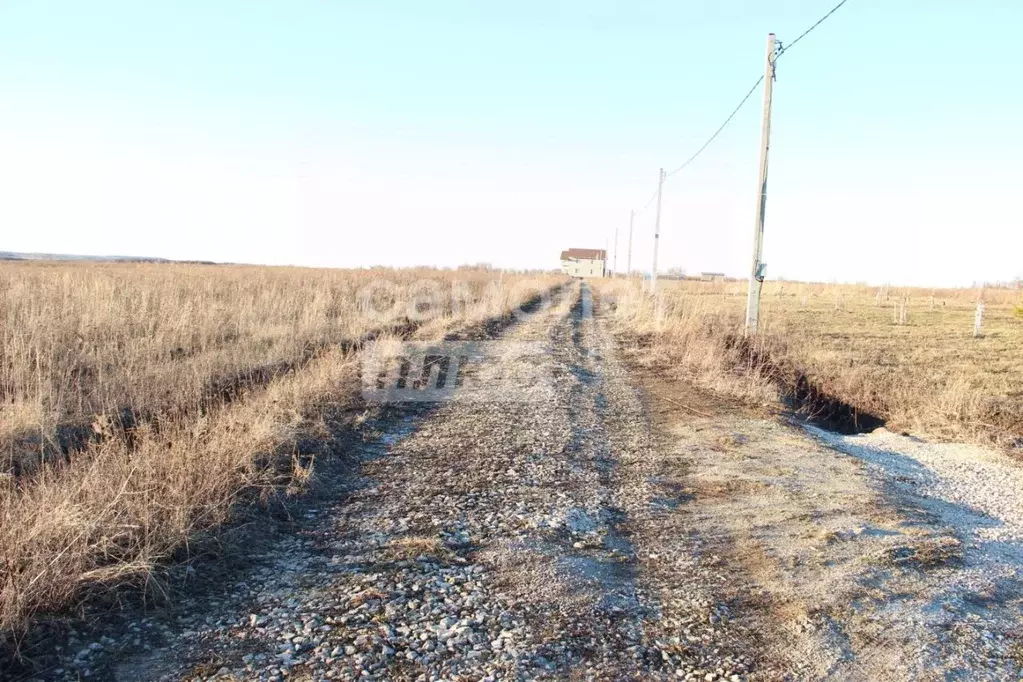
x=845, y=352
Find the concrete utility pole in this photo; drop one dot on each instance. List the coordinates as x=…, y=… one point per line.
x=757, y=272
x=978, y=318
x=628, y=265
x=614, y=267
x=657, y=230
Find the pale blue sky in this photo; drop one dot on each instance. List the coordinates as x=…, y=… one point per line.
x=401, y=133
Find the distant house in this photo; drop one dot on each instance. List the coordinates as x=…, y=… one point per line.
x=712, y=277
x=584, y=262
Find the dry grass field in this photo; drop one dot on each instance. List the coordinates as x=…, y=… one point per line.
x=139, y=403
x=846, y=344
x=143, y=404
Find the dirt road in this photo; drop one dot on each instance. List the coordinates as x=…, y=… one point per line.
x=599, y=522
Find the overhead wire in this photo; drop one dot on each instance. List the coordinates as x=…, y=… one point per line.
x=720, y=128
x=648, y=202
x=781, y=50
x=802, y=35
x=709, y=140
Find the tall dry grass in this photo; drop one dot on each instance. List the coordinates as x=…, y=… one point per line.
x=846, y=342
x=105, y=339
x=140, y=402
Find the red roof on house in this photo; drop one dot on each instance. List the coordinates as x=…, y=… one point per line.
x=584, y=254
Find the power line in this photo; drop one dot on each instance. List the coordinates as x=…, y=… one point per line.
x=648, y=202
x=781, y=50
x=705, y=144
x=760, y=80
x=718, y=131
x=820, y=21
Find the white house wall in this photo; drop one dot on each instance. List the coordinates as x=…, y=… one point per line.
x=583, y=268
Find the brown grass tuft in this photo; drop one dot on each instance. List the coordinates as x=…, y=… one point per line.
x=413, y=547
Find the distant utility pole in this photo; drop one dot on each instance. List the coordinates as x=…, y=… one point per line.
x=657, y=230
x=614, y=265
x=758, y=270
x=978, y=318
x=628, y=265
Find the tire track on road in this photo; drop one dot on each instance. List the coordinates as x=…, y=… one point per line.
x=525, y=536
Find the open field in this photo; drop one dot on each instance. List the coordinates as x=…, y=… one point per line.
x=139, y=403
x=846, y=343
x=83, y=340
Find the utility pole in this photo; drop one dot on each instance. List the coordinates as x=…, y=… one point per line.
x=628, y=265
x=978, y=318
x=614, y=267
x=757, y=272
x=657, y=231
